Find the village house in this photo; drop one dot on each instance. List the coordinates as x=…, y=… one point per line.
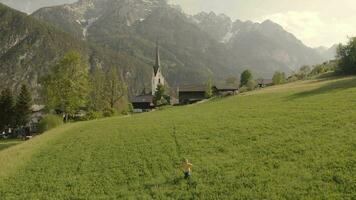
x=225, y=90
x=264, y=82
x=38, y=112
x=142, y=103
x=188, y=94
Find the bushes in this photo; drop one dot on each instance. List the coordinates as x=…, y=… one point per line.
x=279, y=78
x=50, y=122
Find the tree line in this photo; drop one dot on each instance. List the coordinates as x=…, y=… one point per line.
x=344, y=64
x=15, y=111
x=72, y=87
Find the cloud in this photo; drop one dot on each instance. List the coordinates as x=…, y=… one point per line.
x=313, y=29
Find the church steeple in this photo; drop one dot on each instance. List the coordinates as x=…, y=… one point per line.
x=157, y=77
x=158, y=61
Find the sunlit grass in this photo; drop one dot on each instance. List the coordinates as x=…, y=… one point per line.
x=295, y=141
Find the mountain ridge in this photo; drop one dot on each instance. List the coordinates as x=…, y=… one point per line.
x=194, y=48
x=271, y=49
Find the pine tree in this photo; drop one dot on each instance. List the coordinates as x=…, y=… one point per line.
x=160, y=98
x=23, y=107
x=6, y=109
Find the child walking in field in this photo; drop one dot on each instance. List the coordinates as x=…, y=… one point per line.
x=187, y=168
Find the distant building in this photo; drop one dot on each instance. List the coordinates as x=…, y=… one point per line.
x=225, y=90
x=142, y=103
x=38, y=112
x=191, y=93
x=264, y=82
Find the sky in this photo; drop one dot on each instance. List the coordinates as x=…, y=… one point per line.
x=315, y=22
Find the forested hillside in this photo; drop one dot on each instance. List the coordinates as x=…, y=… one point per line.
x=29, y=49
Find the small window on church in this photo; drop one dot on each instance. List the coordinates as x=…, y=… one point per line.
x=159, y=81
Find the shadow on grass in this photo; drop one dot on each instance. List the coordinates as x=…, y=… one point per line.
x=4, y=144
x=330, y=87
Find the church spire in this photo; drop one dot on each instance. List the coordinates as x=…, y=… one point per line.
x=158, y=61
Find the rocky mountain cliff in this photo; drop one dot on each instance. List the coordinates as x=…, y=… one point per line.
x=264, y=47
x=189, y=55
x=328, y=53
x=29, y=48
x=194, y=47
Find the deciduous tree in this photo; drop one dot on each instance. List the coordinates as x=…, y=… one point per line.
x=97, y=90
x=115, y=89
x=346, y=54
x=66, y=88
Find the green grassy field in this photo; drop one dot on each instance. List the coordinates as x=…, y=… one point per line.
x=295, y=141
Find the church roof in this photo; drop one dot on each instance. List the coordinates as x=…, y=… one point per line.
x=157, y=61
x=225, y=87
x=192, y=88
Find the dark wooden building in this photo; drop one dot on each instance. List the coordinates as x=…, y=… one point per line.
x=225, y=90
x=142, y=103
x=264, y=82
x=191, y=93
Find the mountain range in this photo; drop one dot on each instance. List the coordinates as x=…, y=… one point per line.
x=123, y=33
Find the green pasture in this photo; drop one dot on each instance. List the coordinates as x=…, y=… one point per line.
x=294, y=141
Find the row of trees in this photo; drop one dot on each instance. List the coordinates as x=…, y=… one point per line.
x=305, y=72
x=72, y=87
x=15, y=111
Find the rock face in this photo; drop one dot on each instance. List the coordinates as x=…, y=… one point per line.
x=264, y=47
x=193, y=47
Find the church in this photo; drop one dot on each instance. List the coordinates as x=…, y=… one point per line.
x=144, y=102
x=186, y=94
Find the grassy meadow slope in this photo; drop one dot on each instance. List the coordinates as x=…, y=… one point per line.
x=295, y=141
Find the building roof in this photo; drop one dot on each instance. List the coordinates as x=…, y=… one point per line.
x=146, y=98
x=265, y=81
x=192, y=88
x=226, y=87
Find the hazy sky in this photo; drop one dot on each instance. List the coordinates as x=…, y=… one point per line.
x=315, y=22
